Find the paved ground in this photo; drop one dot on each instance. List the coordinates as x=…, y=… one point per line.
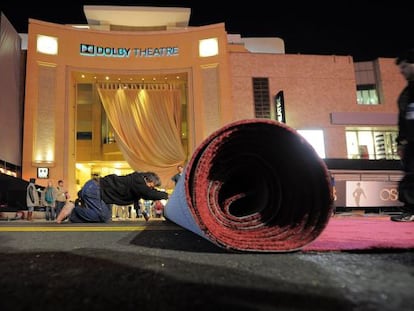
x=160, y=266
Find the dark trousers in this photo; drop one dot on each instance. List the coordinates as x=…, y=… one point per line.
x=92, y=209
x=408, y=158
x=50, y=212
x=406, y=184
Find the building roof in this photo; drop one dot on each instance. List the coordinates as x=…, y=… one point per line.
x=137, y=16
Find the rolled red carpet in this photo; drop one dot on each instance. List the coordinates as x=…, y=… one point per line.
x=254, y=185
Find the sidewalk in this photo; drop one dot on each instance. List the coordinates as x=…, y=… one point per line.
x=39, y=216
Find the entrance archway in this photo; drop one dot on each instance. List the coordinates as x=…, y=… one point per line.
x=97, y=151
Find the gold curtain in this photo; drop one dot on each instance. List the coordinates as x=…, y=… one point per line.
x=147, y=123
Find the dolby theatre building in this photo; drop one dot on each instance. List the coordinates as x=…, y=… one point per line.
x=138, y=89
x=135, y=90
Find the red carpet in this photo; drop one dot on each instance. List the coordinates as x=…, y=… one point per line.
x=254, y=185
x=353, y=233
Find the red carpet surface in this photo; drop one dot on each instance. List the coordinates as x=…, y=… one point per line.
x=254, y=185
x=353, y=233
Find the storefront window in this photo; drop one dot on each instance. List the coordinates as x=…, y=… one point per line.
x=371, y=144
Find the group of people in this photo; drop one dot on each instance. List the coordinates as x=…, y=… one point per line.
x=142, y=209
x=96, y=197
x=52, y=198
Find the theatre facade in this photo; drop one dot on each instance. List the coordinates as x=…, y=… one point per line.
x=117, y=98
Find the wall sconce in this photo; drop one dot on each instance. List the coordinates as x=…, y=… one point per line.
x=47, y=45
x=208, y=47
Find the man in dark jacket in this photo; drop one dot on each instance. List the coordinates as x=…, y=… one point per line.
x=405, y=139
x=177, y=176
x=98, y=194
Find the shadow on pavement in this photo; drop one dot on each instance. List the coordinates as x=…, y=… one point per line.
x=173, y=240
x=100, y=280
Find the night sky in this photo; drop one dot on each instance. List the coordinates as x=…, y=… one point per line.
x=365, y=30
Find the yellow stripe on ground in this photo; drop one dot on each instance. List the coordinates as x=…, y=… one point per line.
x=84, y=229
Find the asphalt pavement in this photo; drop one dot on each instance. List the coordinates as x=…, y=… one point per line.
x=158, y=265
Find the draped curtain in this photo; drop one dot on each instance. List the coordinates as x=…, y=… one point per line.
x=147, y=123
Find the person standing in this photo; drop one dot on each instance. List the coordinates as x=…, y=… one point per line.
x=405, y=138
x=158, y=207
x=99, y=193
x=146, y=208
x=50, y=201
x=32, y=198
x=177, y=176
x=137, y=207
x=61, y=197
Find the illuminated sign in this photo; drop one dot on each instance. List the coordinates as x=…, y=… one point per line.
x=123, y=52
x=42, y=172
x=372, y=193
x=280, y=107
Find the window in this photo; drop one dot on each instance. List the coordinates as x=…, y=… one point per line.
x=371, y=144
x=261, y=97
x=316, y=140
x=84, y=111
x=367, y=94
x=366, y=78
x=108, y=133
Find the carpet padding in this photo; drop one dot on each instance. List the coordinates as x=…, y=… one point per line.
x=254, y=185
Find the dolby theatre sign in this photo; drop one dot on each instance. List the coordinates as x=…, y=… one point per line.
x=101, y=51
